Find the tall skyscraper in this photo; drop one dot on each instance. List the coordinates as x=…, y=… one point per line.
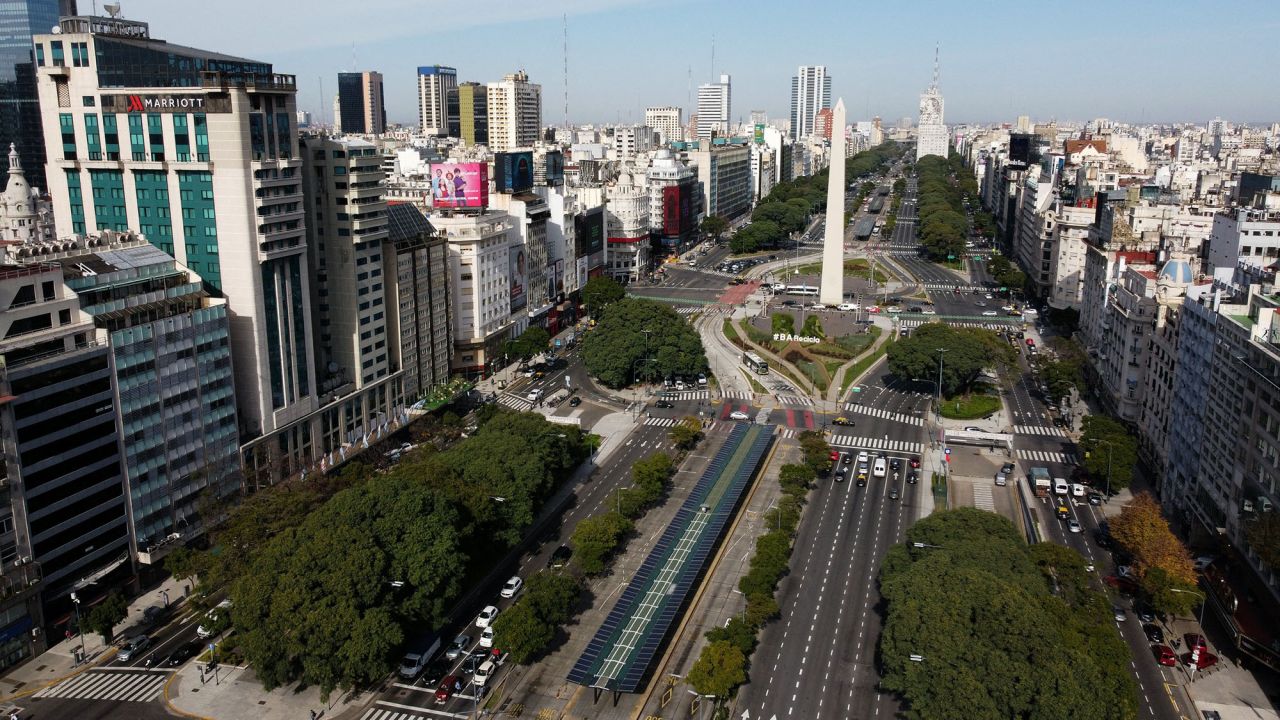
x=810, y=92
x=515, y=112
x=665, y=121
x=473, y=113
x=931, y=133
x=19, y=107
x=435, y=83
x=360, y=103
x=714, y=105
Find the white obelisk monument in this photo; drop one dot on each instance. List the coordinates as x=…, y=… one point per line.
x=832, y=291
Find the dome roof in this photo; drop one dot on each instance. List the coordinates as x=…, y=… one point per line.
x=1178, y=271
x=17, y=194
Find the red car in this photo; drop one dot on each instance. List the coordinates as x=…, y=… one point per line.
x=1164, y=655
x=1126, y=585
x=835, y=456
x=1031, y=342
x=915, y=461
x=1204, y=660
x=1195, y=641
x=448, y=686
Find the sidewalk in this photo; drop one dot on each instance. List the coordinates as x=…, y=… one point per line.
x=59, y=663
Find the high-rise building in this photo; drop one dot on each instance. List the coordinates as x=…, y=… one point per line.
x=725, y=174
x=435, y=85
x=931, y=134
x=19, y=106
x=714, y=106
x=810, y=92
x=360, y=103
x=482, y=254
x=205, y=164
x=675, y=200
x=822, y=124
x=473, y=113
x=515, y=112
x=665, y=121
x=421, y=287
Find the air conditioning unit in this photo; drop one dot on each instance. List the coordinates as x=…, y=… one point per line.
x=1264, y=504
x=1247, y=506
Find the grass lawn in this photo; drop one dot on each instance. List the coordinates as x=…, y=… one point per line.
x=861, y=366
x=731, y=333
x=757, y=387
x=853, y=267
x=970, y=407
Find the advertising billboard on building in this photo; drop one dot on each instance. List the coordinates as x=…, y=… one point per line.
x=589, y=228
x=518, y=274
x=513, y=172
x=581, y=271
x=459, y=185
x=555, y=168
x=759, y=134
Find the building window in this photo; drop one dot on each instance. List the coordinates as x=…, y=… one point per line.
x=58, y=59
x=40, y=54
x=68, y=123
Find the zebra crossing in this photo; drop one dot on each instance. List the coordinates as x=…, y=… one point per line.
x=1038, y=430
x=795, y=400
x=518, y=404
x=981, y=324
x=685, y=394
x=708, y=309
x=1046, y=456
x=119, y=685
x=737, y=395
x=660, y=421
x=982, y=497
x=952, y=286
x=884, y=414
x=900, y=446
x=381, y=713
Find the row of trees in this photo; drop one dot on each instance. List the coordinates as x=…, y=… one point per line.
x=965, y=353
x=895, y=200
x=637, y=339
x=979, y=625
x=722, y=666
x=1005, y=272
x=1161, y=562
x=529, y=626
x=786, y=209
x=941, y=206
x=326, y=598
x=1111, y=452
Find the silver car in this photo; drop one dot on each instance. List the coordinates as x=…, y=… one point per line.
x=133, y=648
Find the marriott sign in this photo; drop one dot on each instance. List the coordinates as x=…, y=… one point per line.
x=165, y=103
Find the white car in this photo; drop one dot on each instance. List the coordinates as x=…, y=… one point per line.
x=929, y=311
x=486, y=637
x=817, y=306
x=847, y=306
x=486, y=616
x=483, y=673
x=1073, y=526
x=989, y=313
x=512, y=587
x=739, y=415
x=893, y=309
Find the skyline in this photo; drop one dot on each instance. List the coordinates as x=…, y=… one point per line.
x=995, y=66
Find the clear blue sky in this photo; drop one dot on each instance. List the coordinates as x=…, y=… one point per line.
x=1175, y=60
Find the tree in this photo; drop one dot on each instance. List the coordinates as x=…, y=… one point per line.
x=714, y=225
x=720, y=669
x=595, y=539
x=795, y=479
x=522, y=633
x=642, y=339
x=553, y=596
x=1263, y=534
x=185, y=563
x=817, y=453
x=686, y=433
x=599, y=293
x=104, y=617
x=531, y=342
x=1110, y=452
x=967, y=352
x=1142, y=529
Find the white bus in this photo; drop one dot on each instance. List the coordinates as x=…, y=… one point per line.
x=754, y=362
x=802, y=290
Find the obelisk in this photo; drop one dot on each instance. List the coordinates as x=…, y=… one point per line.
x=832, y=291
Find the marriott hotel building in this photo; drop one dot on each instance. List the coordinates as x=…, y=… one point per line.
x=198, y=151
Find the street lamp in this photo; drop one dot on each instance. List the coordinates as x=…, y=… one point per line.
x=79, y=627
x=1195, y=652
x=940, y=351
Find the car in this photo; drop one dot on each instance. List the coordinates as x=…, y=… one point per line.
x=863, y=458
x=844, y=421
x=1007, y=468
x=895, y=464
x=1144, y=612
x=929, y=311
x=893, y=493
x=988, y=296
x=412, y=664
x=1200, y=661
x=1095, y=499
x=739, y=415
x=663, y=404
x=471, y=662
x=1153, y=632
x=511, y=587
x=575, y=401
x=1125, y=585
x=1007, y=308
x=893, y=309
x=980, y=303
x=1102, y=539
x=873, y=309
x=1077, y=490
x=448, y=686
x=913, y=477
x=1203, y=562
x=486, y=637
x=133, y=648
x=1118, y=614
x=215, y=621
x=817, y=306
x=915, y=461
x=1073, y=526
x=458, y=647
x=973, y=428
x=1194, y=641
x=434, y=672
x=533, y=395
x=839, y=475
x=847, y=306
x=702, y=379
x=1002, y=479
x=482, y=674
x=862, y=479
x=560, y=557
x=989, y=313
x=486, y=616
x=1164, y=655
x=180, y=655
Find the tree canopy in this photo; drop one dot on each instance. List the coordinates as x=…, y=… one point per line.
x=967, y=352
x=941, y=207
x=530, y=343
x=599, y=293
x=973, y=628
x=1110, y=452
x=642, y=339
x=1160, y=560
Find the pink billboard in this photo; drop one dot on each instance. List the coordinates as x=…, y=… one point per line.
x=459, y=185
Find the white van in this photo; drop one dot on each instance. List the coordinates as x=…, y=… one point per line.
x=1077, y=490
x=880, y=469
x=1061, y=486
x=847, y=306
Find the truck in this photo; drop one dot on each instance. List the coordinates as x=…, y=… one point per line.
x=1041, y=480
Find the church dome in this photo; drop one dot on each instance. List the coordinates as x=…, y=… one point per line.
x=17, y=194
x=1177, y=271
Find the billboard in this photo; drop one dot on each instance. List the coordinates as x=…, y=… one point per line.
x=589, y=228
x=759, y=134
x=459, y=185
x=555, y=168
x=677, y=210
x=581, y=271
x=513, y=171
x=1020, y=147
x=516, y=257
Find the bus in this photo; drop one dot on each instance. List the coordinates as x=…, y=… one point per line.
x=754, y=362
x=802, y=290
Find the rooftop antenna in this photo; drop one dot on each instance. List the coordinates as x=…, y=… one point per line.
x=713, y=58
x=112, y=8
x=566, y=70
x=935, y=68
x=688, y=101
x=353, y=57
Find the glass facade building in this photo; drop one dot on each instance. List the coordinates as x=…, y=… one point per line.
x=19, y=105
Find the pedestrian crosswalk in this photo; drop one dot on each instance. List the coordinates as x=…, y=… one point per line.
x=707, y=309
x=118, y=685
x=884, y=414
x=1046, y=456
x=982, y=497
x=795, y=400
x=992, y=324
x=737, y=395
x=518, y=404
x=901, y=446
x=660, y=421
x=1038, y=430
x=382, y=713
x=684, y=394
x=952, y=286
